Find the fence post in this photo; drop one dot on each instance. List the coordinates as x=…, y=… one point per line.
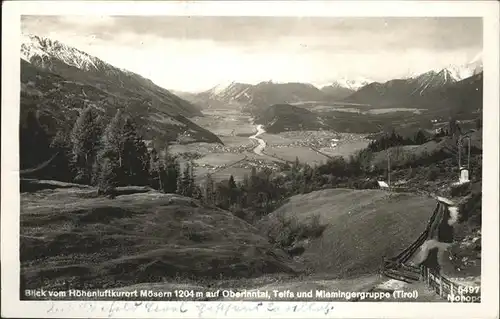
x=428, y=277
x=440, y=286
x=452, y=293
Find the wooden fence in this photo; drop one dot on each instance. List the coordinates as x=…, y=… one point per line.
x=396, y=267
x=445, y=288
x=400, y=271
x=449, y=290
x=407, y=253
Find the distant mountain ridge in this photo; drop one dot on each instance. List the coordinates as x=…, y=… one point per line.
x=72, y=63
x=360, y=90
x=252, y=98
x=407, y=92
x=335, y=91
x=436, y=95
x=57, y=80
x=353, y=84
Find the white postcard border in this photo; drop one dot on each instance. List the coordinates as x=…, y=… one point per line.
x=13, y=307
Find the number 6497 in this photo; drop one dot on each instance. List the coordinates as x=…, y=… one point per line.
x=468, y=290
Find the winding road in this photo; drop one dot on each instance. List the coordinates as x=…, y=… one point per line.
x=262, y=144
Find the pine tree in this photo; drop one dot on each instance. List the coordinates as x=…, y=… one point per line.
x=172, y=173
x=185, y=186
x=180, y=189
x=62, y=145
x=114, y=136
x=232, y=189
x=135, y=156
x=197, y=193
x=192, y=184
x=453, y=128
x=112, y=148
x=420, y=138
x=107, y=179
x=85, y=143
x=187, y=183
x=231, y=184
x=296, y=164
x=156, y=170
x=209, y=189
x=246, y=182
x=253, y=172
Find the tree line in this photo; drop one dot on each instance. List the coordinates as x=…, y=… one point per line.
x=103, y=155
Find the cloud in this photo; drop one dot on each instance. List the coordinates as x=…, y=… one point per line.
x=195, y=53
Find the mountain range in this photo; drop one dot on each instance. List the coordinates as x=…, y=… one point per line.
x=405, y=92
x=441, y=99
x=398, y=92
x=436, y=94
x=57, y=80
x=253, y=98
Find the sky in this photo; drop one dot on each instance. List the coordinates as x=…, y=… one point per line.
x=193, y=54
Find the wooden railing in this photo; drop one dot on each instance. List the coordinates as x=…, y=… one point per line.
x=399, y=271
x=449, y=290
x=397, y=268
x=407, y=253
x=445, y=288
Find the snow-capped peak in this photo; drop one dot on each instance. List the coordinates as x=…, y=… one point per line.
x=460, y=72
x=35, y=46
x=352, y=84
x=228, y=90
x=221, y=87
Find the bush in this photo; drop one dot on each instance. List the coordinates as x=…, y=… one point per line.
x=433, y=173
x=412, y=172
x=289, y=231
x=460, y=190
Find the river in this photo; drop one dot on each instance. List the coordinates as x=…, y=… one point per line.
x=262, y=144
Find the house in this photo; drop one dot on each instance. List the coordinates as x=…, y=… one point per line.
x=383, y=185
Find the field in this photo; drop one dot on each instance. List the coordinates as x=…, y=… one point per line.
x=362, y=227
x=304, y=154
x=219, y=159
x=345, y=149
x=351, y=109
x=225, y=122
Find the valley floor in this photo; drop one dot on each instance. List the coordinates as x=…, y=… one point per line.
x=247, y=145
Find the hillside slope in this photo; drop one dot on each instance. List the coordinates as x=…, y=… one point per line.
x=362, y=227
x=57, y=101
x=78, y=66
x=336, y=92
x=67, y=235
